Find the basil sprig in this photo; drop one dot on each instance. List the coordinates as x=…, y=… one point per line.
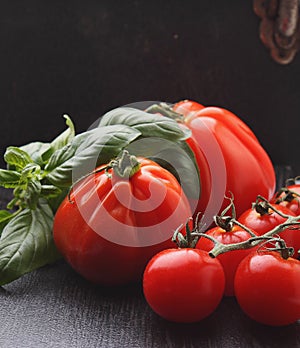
x=40, y=175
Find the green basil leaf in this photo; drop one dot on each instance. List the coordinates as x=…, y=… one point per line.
x=60, y=156
x=88, y=150
x=27, y=243
x=9, y=178
x=5, y=216
x=66, y=136
x=150, y=125
x=36, y=151
x=17, y=158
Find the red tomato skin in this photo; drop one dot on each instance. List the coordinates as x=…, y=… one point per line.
x=293, y=205
x=91, y=254
x=248, y=168
x=205, y=182
x=183, y=285
x=229, y=260
x=264, y=223
x=267, y=288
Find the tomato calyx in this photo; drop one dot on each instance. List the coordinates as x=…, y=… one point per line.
x=124, y=166
x=264, y=207
x=226, y=222
x=190, y=239
x=280, y=247
x=165, y=110
x=261, y=207
x=285, y=194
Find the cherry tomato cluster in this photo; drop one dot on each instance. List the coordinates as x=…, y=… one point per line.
x=250, y=258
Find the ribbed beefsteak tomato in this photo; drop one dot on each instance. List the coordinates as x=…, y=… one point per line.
x=117, y=218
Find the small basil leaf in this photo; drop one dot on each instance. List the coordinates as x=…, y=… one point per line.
x=32, y=193
x=36, y=150
x=150, y=125
x=88, y=150
x=50, y=191
x=60, y=141
x=9, y=178
x=17, y=158
x=32, y=170
x=27, y=243
x=66, y=136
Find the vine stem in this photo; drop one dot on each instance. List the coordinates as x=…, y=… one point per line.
x=226, y=223
x=220, y=248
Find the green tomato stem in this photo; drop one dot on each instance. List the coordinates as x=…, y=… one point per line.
x=165, y=110
x=126, y=165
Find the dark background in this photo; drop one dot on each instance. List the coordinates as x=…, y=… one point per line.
x=85, y=57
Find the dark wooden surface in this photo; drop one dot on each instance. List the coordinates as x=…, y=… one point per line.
x=55, y=307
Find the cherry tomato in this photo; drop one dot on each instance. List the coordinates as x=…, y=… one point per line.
x=289, y=197
x=231, y=259
x=269, y=219
x=111, y=226
x=183, y=285
x=236, y=160
x=267, y=288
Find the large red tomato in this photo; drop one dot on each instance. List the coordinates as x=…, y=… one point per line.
x=116, y=219
x=236, y=160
